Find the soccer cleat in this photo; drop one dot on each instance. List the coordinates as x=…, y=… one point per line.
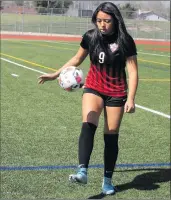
x=107, y=186
x=80, y=176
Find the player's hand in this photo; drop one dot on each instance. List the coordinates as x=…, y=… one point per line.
x=46, y=77
x=129, y=106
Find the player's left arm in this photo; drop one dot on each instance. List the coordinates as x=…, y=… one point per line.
x=132, y=68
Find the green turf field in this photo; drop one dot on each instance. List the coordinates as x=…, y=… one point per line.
x=40, y=126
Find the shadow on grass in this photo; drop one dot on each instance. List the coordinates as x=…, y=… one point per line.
x=145, y=181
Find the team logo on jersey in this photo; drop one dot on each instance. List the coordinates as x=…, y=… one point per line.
x=113, y=47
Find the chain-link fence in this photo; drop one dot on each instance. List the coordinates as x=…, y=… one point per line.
x=76, y=21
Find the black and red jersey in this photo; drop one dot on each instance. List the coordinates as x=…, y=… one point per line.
x=108, y=78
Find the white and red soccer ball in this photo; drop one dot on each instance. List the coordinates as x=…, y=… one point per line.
x=71, y=78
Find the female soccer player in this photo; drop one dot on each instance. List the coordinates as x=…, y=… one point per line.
x=111, y=49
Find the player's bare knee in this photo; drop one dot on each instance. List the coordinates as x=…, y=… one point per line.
x=91, y=117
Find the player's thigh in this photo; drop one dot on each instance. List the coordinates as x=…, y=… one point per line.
x=92, y=106
x=112, y=119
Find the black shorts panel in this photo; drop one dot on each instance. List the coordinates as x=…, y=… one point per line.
x=108, y=100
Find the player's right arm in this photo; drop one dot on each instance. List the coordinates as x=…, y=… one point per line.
x=74, y=61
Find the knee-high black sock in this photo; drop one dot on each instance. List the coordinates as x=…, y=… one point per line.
x=86, y=141
x=110, y=153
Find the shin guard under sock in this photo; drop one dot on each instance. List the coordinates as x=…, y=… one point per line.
x=86, y=141
x=110, y=153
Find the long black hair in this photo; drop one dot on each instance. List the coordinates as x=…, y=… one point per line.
x=97, y=39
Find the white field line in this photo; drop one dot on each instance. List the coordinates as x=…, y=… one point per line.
x=151, y=54
x=22, y=66
x=77, y=45
x=138, y=106
x=15, y=75
x=153, y=111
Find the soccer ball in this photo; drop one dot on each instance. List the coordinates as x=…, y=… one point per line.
x=71, y=78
